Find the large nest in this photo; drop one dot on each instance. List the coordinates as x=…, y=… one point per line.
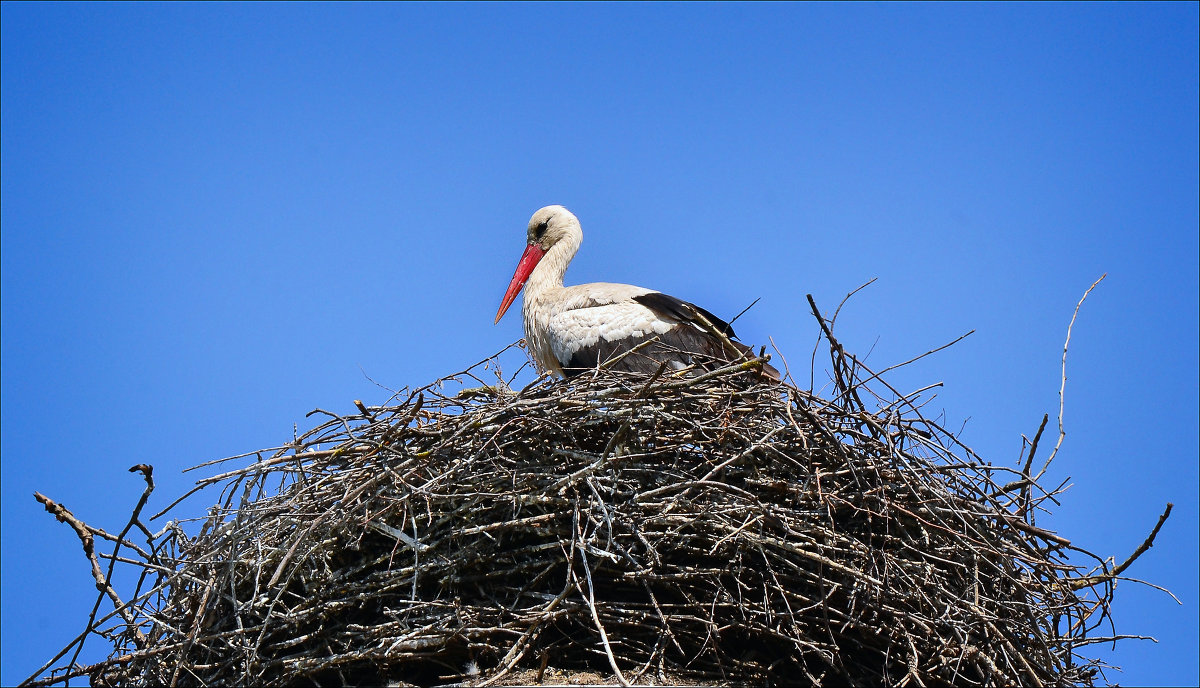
x=712, y=529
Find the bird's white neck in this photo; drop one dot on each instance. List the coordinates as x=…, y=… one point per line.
x=548, y=275
x=538, y=303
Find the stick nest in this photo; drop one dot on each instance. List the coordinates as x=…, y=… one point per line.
x=717, y=529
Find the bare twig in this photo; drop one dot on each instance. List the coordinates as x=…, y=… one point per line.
x=1089, y=581
x=1062, y=433
x=64, y=515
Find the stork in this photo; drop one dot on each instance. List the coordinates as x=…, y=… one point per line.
x=572, y=329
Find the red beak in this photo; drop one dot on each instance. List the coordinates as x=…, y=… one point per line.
x=529, y=260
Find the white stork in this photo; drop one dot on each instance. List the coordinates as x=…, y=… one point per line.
x=573, y=329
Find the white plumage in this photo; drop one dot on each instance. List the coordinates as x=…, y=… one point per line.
x=585, y=315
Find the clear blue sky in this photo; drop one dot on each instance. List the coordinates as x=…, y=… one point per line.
x=216, y=218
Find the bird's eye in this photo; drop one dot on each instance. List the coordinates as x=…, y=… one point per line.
x=541, y=230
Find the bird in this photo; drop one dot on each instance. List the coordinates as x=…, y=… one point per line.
x=570, y=330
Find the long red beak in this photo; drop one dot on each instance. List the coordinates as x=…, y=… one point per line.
x=529, y=260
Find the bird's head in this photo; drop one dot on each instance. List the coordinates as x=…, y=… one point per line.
x=547, y=227
x=550, y=225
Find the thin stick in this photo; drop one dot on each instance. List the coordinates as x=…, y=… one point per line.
x=1146, y=545
x=64, y=515
x=1062, y=433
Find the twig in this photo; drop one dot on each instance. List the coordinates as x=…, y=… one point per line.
x=89, y=549
x=1146, y=544
x=1062, y=433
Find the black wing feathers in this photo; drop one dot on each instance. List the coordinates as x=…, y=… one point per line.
x=681, y=344
x=678, y=309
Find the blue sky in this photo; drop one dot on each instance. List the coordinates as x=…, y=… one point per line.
x=216, y=218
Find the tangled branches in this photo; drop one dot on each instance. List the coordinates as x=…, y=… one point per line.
x=711, y=529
